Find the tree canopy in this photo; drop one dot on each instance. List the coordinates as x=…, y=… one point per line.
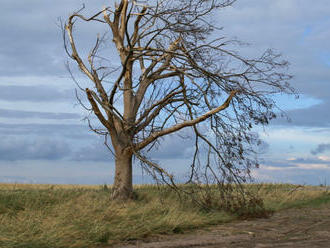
x=177, y=70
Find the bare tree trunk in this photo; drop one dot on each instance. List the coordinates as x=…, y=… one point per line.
x=123, y=185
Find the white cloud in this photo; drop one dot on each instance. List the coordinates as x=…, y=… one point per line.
x=324, y=158
x=313, y=166
x=294, y=135
x=292, y=175
x=274, y=168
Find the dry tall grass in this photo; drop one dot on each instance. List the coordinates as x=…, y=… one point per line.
x=54, y=216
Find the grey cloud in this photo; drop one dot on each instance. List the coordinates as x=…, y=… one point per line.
x=14, y=148
x=314, y=116
x=306, y=161
x=320, y=149
x=37, y=93
x=96, y=152
x=64, y=131
x=182, y=145
x=294, y=164
x=32, y=44
x=276, y=163
x=5, y=113
x=293, y=175
x=69, y=142
x=283, y=24
x=173, y=147
x=30, y=52
x=77, y=141
x=84, y=145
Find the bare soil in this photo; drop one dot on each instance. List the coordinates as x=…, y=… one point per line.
x=299, y=228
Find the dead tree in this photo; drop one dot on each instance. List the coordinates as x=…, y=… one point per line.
x=175, y=73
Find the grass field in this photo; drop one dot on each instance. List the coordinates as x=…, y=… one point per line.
x=54, y=216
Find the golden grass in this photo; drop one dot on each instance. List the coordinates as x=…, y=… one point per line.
x=58, y=216
x=283, y=196
x=83, y=216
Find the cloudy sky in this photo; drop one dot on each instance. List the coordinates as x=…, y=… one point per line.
x=43, y=137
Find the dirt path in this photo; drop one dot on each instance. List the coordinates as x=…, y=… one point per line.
x=298, y=228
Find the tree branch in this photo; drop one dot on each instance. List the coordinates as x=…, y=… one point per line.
x=179, y=126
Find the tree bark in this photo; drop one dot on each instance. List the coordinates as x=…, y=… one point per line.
x=123, y=185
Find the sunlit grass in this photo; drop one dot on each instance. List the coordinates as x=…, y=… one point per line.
x=53, y=216
x=283, y=196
